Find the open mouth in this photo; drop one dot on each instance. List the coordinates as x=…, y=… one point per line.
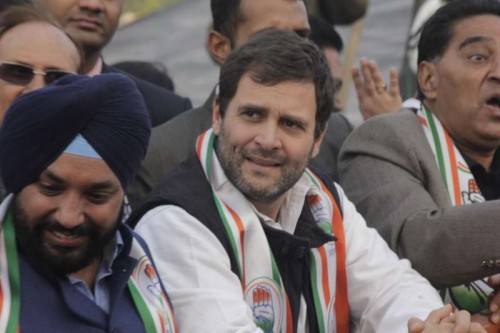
x=63, y=239
x=63, y=235
x=494, y=101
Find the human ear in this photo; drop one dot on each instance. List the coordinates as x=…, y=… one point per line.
x=219, y=46
x=317, y=143
x=216, y=116
x=427, y=79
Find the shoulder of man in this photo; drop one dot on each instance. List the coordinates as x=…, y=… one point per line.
x=170, y=144
x=162, y=104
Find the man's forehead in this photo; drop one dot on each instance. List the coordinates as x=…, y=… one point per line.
x=258, y=15
x=70, y=167
x=477, y=28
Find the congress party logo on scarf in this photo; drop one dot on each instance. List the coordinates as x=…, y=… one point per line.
x=147, y=293
x=264, y=296
x=260, y=278
x=463, y=189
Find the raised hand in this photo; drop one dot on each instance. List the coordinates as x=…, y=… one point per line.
x=374, y=97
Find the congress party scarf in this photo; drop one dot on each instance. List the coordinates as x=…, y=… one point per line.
x=260, y=278
x=148, y=295
x=462, y=188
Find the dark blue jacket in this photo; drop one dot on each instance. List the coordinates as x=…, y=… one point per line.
x=50, y=304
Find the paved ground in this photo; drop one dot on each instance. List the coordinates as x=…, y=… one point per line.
x=176, y=37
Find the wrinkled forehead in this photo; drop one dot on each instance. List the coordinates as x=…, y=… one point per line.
x=475, y=29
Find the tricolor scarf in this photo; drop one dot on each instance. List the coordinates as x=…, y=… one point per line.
x=148, y=295
x=260, y=278
x=463, y=189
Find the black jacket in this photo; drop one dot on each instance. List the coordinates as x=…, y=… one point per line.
x=162, y=104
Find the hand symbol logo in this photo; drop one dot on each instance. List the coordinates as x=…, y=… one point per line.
x=263, y=311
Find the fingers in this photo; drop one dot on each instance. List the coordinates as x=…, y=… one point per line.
x=415, y=325
x=494, y=307
x=262, y=296
x=437, y=315
x=374, y=98
x=494, y=281
x=368, y=78
x=462, y=322
x=366, y=70
x=394, y=82
x=357, y=80
x=376, y=76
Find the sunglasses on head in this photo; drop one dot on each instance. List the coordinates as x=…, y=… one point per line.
x=21, y=75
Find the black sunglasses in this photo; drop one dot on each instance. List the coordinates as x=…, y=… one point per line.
x=21, y=75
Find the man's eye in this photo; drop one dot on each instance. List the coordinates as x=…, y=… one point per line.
x=290, y=124
x=250, y=114
x=50, y=190
x=98, y=197
x=477, y=57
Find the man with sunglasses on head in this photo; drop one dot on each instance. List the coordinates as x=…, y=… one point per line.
x=92, y=24
x=34, y=52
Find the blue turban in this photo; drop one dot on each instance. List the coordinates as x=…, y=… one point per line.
x=107, y=110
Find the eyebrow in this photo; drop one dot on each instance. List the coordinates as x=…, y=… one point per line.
x=253, y=107
x=263, y=110
x=107, y=184
x=473, y=40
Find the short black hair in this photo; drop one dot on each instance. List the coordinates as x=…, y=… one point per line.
x=226, y=15
x=324, y=34
x=274, y=56
x=438, y=30
x=4, y=4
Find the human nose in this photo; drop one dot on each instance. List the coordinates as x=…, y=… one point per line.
x=93, y=5
x=268, y=137
x=495, y=71
x=37, y=82
x=69, y=212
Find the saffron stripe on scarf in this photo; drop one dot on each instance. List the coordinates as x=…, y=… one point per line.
x=232, y=240
x=457, y=179
x=454, y=171
x=241, y=230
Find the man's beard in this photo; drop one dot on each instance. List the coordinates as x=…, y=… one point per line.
x=61, y=260
x=231, y=162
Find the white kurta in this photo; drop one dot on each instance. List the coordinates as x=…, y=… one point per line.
x=384, y=291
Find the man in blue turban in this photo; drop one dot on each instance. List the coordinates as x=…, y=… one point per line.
x=67, y=263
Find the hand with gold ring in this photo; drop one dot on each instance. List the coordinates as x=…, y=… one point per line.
x=374, y=97
x=381, y=87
